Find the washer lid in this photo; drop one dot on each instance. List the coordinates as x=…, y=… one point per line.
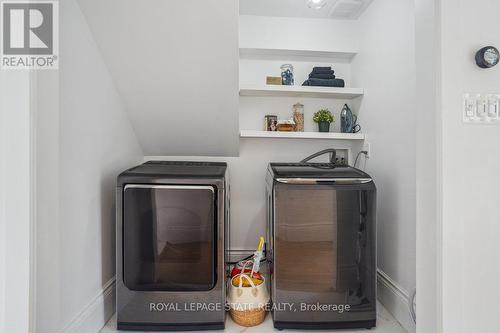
x=175, y=169
x=316, y=170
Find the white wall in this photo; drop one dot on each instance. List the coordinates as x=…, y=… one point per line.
x=298, y=33
x=470, y=162
x=175, y=64
x=385, y=67
x=3, y=257
x=16, y=213
x=48, y=233
x=84, y=140
x=428, y=179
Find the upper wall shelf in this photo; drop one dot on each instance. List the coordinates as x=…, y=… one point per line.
x=300, y=91
x=301, y=135
x=297, y=55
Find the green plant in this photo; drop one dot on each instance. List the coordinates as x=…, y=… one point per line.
x=323, y=116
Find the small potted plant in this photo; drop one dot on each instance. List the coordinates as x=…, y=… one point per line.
x=323, y=117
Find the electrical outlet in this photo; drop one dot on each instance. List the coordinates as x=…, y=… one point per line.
x=367, y=147
x=342, y=154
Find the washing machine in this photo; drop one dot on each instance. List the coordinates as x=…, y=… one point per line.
x=171, y=241
x=321, y=246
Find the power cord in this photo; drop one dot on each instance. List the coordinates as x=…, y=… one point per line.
x=413, y=305
x=357, y=157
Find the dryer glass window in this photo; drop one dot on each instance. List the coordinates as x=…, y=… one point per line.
x=170, y=237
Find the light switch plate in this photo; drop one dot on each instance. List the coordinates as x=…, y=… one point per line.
x=470, y=105
x=481, y=108
x=493, y=102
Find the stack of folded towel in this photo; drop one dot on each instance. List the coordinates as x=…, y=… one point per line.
x=323, y=77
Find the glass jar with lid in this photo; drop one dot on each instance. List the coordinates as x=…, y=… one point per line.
x=287, y=75
x=298, y=117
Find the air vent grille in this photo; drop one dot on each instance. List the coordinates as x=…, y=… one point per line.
x=349, y=9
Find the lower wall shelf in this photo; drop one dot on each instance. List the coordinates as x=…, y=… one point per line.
x=301, y=135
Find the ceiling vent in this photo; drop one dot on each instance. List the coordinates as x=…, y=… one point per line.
x=329, y=9
x=349, y=9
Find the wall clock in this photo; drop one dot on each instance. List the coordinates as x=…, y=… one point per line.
x=487, y=57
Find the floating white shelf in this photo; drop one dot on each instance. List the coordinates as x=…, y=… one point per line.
x=296, y=55
x=300, y=91
x=301, y=135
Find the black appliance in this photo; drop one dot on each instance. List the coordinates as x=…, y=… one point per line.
x=171, y=236
x=322, y=245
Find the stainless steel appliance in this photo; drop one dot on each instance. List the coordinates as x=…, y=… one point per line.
x=321, y=234
x=171, y=237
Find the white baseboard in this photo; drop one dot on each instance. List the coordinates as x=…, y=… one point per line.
x=395, y=299
x=96, y=314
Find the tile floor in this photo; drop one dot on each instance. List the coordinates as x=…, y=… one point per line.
x=385, y=324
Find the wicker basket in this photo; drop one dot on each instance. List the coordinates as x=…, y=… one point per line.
x=248, y=318
x=247, y=305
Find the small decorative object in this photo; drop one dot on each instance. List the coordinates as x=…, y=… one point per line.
x=271, y=123
x=274, y=80
x=346, y=120
x=323, y=117
x=487, y=57
x=286, y=125
x=298, y=117
x=287, y=75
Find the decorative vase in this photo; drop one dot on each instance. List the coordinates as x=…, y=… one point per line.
x=324, y=126
x=346, y=120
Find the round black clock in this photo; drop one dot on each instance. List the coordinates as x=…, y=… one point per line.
x=487, y=57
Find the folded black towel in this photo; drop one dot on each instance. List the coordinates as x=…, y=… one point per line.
x=321, y=76
x=329, y=68
x=339, y=83
x=323, y=70
x=326, y=71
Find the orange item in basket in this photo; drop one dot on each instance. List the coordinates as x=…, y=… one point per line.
x=236, y=282
x=237, y=270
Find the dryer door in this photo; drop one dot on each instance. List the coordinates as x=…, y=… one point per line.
x=169, y=237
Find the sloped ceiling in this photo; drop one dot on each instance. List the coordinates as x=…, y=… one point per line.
x=175, y=65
